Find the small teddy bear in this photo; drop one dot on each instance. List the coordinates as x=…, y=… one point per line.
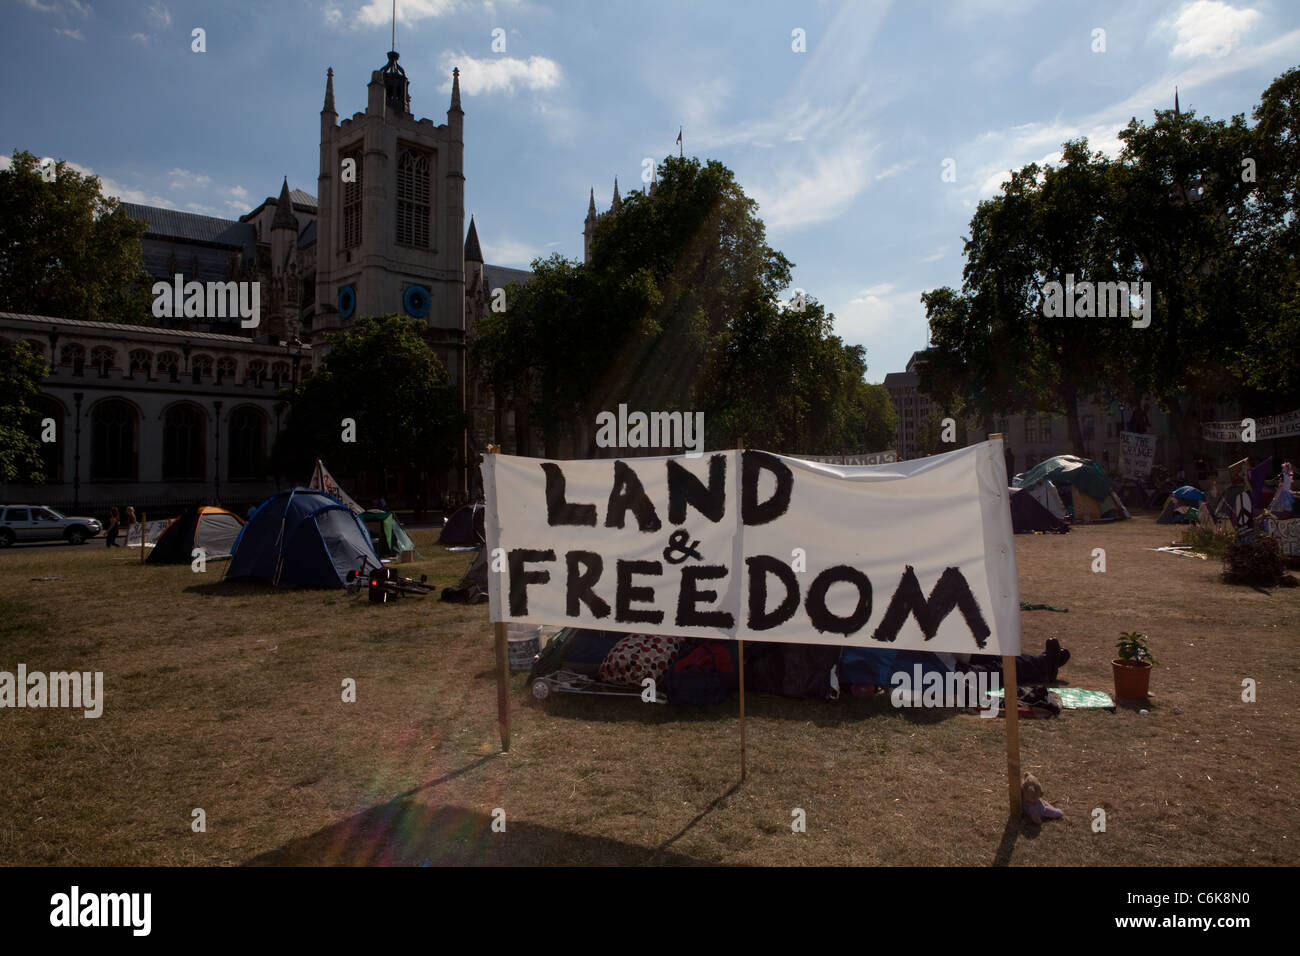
x=1032, y=802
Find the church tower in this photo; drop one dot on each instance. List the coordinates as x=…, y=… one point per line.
x=392, y=214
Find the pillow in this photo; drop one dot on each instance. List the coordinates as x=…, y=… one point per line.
x=638, y=656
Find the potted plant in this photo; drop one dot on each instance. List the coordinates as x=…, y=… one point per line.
x=1133, y=666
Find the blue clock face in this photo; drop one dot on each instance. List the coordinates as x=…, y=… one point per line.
x=347, y=302
x=416, y=301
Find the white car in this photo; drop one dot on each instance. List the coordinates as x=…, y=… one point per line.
x=38, y=523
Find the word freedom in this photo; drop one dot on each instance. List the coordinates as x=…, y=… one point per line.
x=103, y=909
x=633, y=592
x=59, y=689
x=656, y=430
x=1102, y=300
x=212, y=300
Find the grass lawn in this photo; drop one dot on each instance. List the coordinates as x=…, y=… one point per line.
x=227, y=697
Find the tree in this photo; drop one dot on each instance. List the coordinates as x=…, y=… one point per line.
x=21, y=374
x=1204, y=211
x=385, y=379
x=65, y=249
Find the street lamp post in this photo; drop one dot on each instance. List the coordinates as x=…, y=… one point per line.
x=77, y=398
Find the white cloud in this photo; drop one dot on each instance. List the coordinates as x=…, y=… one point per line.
x=936, y=255
x=816, y=190
x=239, y=192
x=380, y=12
x=73, y=34
x=159, y=14
x=1209, y=28
x=184, y=179
x=332, y=15
x=140, y=37
x=510, y=252
x=55, y=6
x=500, y=73
x=882, y=316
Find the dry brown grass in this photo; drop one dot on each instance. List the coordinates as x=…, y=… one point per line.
x=227, y=697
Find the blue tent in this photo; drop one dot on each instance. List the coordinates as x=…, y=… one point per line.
x=302, y=538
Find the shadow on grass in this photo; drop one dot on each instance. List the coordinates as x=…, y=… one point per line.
x=1020, y=826
x=408, y=832
x=822, y=713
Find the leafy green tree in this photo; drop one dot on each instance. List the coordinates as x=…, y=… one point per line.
x=677, y=311
x=21, y=374
x=65, y=249
x=381, y=374
x=1203, y=210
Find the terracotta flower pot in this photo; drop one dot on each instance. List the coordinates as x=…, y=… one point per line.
x=1132, y=679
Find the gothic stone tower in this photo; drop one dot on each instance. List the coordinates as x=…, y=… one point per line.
x=392, y=215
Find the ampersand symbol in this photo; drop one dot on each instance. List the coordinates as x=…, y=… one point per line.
x=677, y=545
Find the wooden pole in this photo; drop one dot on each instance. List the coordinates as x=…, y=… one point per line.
x=503, y=666
x=1011, y=701
x=740, y=653
x=144, y=520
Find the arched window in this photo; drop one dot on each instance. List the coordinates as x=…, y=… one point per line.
x=280, y=374
x=247, y=450
x=201, y=368
x=141, y=361
x=185, y=429
x=102, y=358
x=168, y=363
x=225, y=369
x=113, y=446
x=256, y=373
x=51, y=452
x=413, y=199
x=73, y=355
x=352, y=201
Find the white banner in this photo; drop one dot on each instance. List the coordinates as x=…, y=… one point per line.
x=1270, y=426
x=322, y=480
x=874, y=458
x=750, y=545
x=1136, y=454
x=153, y=531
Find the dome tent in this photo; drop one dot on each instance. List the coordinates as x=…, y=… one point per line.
x=215, y=530
x=387, y=533
x=302, y=538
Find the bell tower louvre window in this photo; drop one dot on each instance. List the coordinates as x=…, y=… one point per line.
x=413, y=210
x=352, y=203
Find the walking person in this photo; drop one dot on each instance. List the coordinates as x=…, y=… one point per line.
x=129, y=521
x=114, y=519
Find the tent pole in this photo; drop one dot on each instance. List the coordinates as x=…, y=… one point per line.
x=1011, y=701
x=503, y=667
x=144, y=520
x=740, y=654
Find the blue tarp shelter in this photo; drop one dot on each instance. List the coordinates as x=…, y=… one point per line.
x=302, y=538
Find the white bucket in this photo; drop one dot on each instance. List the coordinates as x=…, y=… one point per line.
x=523, y=642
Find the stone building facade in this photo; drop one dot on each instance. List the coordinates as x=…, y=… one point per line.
x=161, y=402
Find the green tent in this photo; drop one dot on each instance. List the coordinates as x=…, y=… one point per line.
x=388, y=536
x=1094, y=494
x=1082, y=473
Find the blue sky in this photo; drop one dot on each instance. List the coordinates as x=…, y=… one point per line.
x=843, y=145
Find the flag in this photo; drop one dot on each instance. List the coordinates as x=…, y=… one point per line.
x=679, y=136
